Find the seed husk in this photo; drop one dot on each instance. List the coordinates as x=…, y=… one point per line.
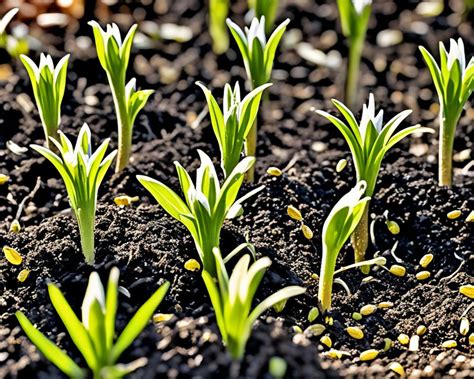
x=15, y=226
x=470, y=217
x=192, y=265
x=316, y=329
x=403, y=339
x=23, y=275
x=313, y=314
x=3, y=179
x=294, y=213
x=426, y=260
x=422, y=275
x=326, y=340
x=454, y=214
x=274, y=171
x=464, y=326
x=355, y=332
x=125, y=201
x=369, y=355
x=387, y=344
x=307, y=232
x=393, y=227
x=341, y=165
x=449, y=344
x=385, y=304
x=162, y=317
x=357, y=316
x=397, y=368
x=12, y=255
x=421, y=330
x=467, y=290
x=368, y=309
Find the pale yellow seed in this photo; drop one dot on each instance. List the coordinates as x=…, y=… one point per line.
x=307, y=232
x=387, y=344
x=274, y=171
x=125, y=201
x=316, y=329
x=313, y=314
x=403, y=339
x=162, y=317
x=385, y=304
x=326, y=340
x=398, y=270
x=294, y=213
x=315, y=276
x=470, y=217
x=15, y=226
x=471, y=339
x=454, y=214
x=369, y=355
x=12, y=255
x=422, y=275
x=467, y=290
x=393, y=227
x=464, y=326
x=368, y=309
x=23, y=275
x=449, y=344
x=333, y=354
x=426, y=260
x=421, y=330
x=357, y=316
x=341, y=165
x=192, y=265
x=297, y=329
x=3, y=179
x=397, y=368
x=414, y=343
x=355, y=332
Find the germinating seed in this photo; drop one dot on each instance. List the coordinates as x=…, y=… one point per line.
x=369, y=355
x=274, y=171
x=449, y=344
x=398, y=270
x=341, y=165
x=385, y=304
x=313, y=314
x=316, y=329
x=162, y=317
x=387, y=344
x=125, y=201
x=421, y=330
x=307, y=232
x=23, y=275
x=467, y=290
x=294, y=213
x=464, y=326
x=297, y=329
x=326, y=340
x=470, y=217
x=3, y=179
x=426, y=260
x=192, y=265
x=403, y=339
x=368, y=279
x=422, y=275
x=397, y=368
x=393, y=227
x=368, y=309
x=15, y=226
x=355, y=332
x=12, y=255
x=357, y=316
x=454, y=214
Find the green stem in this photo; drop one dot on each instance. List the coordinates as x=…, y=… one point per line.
x=207, y=256
x=86, y=231
x=353, y=67
x=236, y=347
x=447, y=129
x=360, y=239
x=326, y=278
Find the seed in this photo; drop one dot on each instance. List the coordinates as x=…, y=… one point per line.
x=470, y=217
x=421, y=330
x=3, y=179
x=355, y=332
x=315, y=276
x=12, y=255
x=368, y=279
x=449, y=344
x=464, y=326
x=326, y=340
x=357, y=316
x=426, y=260
x=333, y=354
x=313, y=314
x=397, y=368
x=398, y=270
x=294, y=213
x=273, y=171
x=467, y=290
x=471, y=339
x=307, y=232
x=297, y=329
x=387, y=344
x=368, y=309
x=454, y=214
x=192, y=265
x=329, y=320
x=414, y=343
x=403, y=339
x=369, y=355
x=15, y=226
x=316, y=329
x=162, y=317
x=393, y=227
x=341, y=165
x=23, y=275
x=125, y=201
x=423, y=275
x=385, y=304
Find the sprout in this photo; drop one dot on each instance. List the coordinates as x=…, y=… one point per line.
x=337, y=228
x=218, y=11
x=114, y=56
x=82, y=172
x=355, y=15
x=258, y=56
x=49, y=84
x=4, y=21
x=207, y=204
x=94, y=335
x=369, y=140
x=232, y=125
x=454, y=82
x=232, y=299
x=266, y=8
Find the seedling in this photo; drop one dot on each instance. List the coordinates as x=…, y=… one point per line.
x=232, y=299
x=207, y=204
x=94, y=335
x=4, y=21
x=454, y=82
x=258, y=56
x=114, y=56
x=218, y=11
x=355, y=15
x=232, y=125
x=82, y=172
x=49, y=84
x=369, y=140
x=267, y=8
x=339, y=225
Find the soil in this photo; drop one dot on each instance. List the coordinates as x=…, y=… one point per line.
x=148, y=246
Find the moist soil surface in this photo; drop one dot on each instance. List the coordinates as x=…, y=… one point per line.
x=148, y=246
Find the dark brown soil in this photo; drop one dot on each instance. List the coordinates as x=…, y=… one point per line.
x=149, y=247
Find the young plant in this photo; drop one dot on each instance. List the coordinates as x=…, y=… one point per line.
x=232, y=299
x=218, y=11
x=369, y=141
x=340, y=224
x=207, y=204
x=82, y=172
x=4, y=21
x=258, y=56
x=355, y=15
x=49, y=84
x=94, y=335
x=454, y=82
x=114, y=56
x=232, y=125
x=267, y=8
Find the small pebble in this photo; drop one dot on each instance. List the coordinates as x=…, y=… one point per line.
x=341, y=165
